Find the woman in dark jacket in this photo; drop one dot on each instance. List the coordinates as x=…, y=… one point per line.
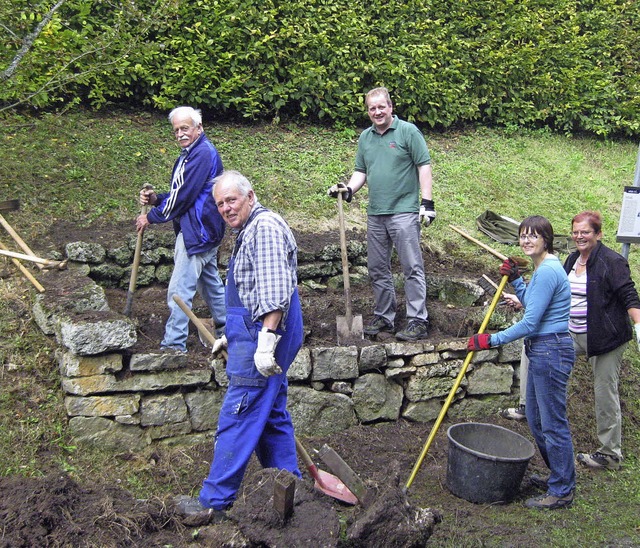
x=603, y=298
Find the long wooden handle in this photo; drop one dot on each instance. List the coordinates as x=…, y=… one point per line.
x=133, y=280
x=24, y=271
x=196, y=321
x=17, y=239
x=478, y=242
x=345, y=261
x=136, y=262
x=311, y=467
x=32, y=258
x=456, y=385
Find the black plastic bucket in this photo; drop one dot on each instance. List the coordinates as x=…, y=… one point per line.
x=486, y=462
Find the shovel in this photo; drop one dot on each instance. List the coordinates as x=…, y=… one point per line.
x=325, y=482
x=348, y=326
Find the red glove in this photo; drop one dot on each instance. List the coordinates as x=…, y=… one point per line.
x=510, y=268
x=479, y=341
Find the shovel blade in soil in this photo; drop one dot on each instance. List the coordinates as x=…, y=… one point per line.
x=349, y=330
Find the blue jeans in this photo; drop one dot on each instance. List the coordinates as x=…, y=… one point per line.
x=551, y=358
x=190, y=274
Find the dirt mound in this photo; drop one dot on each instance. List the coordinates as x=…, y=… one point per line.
x=56, y=511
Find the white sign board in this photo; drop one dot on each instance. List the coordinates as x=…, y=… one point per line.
x=629, y=225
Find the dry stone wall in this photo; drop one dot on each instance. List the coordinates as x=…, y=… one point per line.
x=117, y=399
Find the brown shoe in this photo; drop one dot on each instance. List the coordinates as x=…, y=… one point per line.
x=550, y=502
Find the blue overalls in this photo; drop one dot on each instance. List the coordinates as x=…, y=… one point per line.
x=254, y=414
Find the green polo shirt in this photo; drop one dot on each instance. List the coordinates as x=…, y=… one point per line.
x=390, y=161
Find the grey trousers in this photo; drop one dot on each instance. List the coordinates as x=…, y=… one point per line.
x=402, y=231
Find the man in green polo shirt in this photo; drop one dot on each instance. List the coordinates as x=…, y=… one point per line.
x=393, y=159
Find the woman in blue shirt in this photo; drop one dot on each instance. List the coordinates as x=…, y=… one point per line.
x=545, y=329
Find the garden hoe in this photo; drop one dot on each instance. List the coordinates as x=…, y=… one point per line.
x=348, y=326
x=325, y=482
x=136, y=263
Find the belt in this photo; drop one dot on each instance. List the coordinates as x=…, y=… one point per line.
x=546, y=337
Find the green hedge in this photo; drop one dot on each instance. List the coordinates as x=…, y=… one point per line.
x=569, y=65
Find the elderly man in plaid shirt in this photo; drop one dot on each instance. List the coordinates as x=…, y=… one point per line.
x=263, y=335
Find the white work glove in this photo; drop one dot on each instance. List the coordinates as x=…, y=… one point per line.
x=220, y=344
x=265, y=353
x=427, y=212
x=637, y=329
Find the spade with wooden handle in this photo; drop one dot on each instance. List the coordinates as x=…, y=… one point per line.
x=210, y=337
x=348, y=326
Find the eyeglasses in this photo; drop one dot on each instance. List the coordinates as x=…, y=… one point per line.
x=529, y=237
x=577, y=233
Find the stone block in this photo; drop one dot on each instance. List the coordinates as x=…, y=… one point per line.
x=107, y=434
x=335, y=363
x=99, y=384
x=102, y=406
x=204, y=408
x=373, y=357
x=490, y=378
x=396, y=349
x=95, y=333
x=428, y=358
x=163, y=409
x=72, y=365
x=300, y=369
x=85, y=252
x=158, y=361
x=317, y=413
x=376, y=398
x=170, y=430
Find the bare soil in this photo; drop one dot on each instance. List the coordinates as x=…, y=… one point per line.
x=57, y=511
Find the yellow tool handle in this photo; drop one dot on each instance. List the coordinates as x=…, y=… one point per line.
x=455, y=386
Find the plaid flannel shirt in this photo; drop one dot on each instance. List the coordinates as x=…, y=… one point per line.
x=266, y=264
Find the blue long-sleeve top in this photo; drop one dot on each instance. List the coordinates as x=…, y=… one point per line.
x=189, y=203
x=546, y=300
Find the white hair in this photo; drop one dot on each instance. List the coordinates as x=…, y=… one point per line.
x=194, y=113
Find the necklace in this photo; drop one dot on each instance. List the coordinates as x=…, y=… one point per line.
x=581, y=263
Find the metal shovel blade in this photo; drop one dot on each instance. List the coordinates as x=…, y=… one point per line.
x=325, y=482
x=349, y=328
x=332, y=486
